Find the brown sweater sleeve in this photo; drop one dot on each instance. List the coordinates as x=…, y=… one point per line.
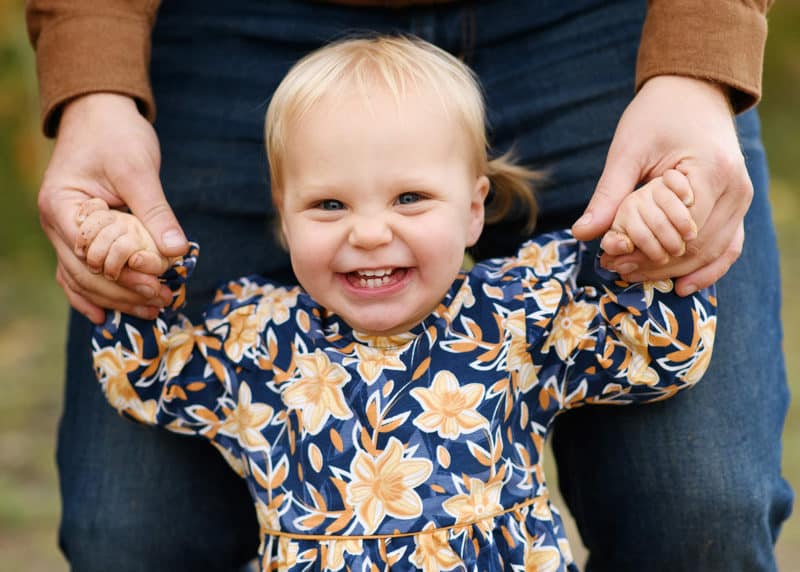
x=719, y=40
x=90, y=46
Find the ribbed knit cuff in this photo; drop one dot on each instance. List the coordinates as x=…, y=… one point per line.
x=721, y=41
x=88, y=54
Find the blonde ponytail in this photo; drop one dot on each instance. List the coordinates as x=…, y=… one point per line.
x=513, y=188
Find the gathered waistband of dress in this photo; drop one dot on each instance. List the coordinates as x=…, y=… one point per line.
x=301, y=536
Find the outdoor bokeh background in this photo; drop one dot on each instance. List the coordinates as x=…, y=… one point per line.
x=33, y=311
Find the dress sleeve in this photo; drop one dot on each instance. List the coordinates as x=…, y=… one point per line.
x=718, y=40
x=88, y=47
x=614, y=342
x=169, y=372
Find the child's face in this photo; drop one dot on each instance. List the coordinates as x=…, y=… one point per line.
x=380, y=199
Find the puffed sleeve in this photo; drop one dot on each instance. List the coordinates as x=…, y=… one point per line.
x=614, y=342
x=189, y=378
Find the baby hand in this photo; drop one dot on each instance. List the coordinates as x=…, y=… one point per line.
x=109, y=239
x=655, y=219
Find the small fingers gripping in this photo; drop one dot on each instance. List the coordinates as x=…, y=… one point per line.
x=656, y=218
x=93, y=235
x=109, y=240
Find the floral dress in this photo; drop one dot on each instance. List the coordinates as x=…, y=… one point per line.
x=420, y=451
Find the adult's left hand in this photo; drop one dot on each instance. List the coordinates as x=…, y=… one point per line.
x=682, y=123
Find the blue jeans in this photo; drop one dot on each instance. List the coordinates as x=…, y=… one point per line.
x=557, y=77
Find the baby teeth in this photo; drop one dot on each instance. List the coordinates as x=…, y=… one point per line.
x=380, y=272
x=374, y=282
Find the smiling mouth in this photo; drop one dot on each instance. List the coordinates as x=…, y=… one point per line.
x=377, y=278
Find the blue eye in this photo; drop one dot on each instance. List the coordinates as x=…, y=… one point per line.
x=330, y=205
x=409, y=198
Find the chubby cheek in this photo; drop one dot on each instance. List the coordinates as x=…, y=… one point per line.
x=310, y=259
x=441, y=254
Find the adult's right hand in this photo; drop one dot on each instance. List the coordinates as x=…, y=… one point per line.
x=105, y=148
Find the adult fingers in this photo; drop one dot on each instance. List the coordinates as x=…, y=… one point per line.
x=96, y=289
x=93, y=313
x=707, y=275
x=146, y=285
x=140, y=187
x=620, y=175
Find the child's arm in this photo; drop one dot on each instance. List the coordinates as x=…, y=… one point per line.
x=110, y=239
x=169, y=371
x=655, y=219
x=616, y=342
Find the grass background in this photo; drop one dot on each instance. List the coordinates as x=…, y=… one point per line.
x=33, y=311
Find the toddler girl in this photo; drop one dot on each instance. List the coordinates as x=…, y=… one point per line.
x=391, y=411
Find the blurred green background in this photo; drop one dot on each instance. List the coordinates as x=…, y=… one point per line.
x=33, y=310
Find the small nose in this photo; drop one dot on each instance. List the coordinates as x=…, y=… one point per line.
x=369, y=232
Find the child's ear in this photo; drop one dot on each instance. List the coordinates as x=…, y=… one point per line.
x=476, y=209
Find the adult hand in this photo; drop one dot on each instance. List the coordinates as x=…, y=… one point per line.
x=686, y=124
x=106, y=149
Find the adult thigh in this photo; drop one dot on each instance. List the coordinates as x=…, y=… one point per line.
x=694, y=483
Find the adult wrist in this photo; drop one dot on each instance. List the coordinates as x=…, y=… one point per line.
x=82, y=108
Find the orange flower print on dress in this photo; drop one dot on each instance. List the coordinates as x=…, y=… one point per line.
x=112, y=365
x=317, y=393
x=569, y=327
x=180, y=343
x=275, y=305
x=540, y=558
x=242, y=331
x=433, y=551
x=373, y=360
x=335, y=556
x=706, y=328
x=449, y=408
x=541, y=257
x=418, y=451
x=384, y=485
x=483, y=500
x=636, y=339
x=519, y=359
x=246, y=421
x=649, y=288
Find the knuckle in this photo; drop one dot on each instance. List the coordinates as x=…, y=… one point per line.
x=693, y=249
x=726, y=163
x=156, y=211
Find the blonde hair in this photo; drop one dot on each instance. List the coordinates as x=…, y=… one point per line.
x=396, y=61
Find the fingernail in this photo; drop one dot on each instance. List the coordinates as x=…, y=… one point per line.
x=145, y=312
x=627, y=268
x=80, y=252
x=172, y=238
x=689, y=289
x=145, y=290
x=636, y=278
x=692, y=234
x=585, y=219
